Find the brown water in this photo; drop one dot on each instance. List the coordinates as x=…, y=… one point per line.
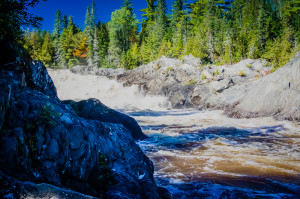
x=202, y=154
x=207, y=155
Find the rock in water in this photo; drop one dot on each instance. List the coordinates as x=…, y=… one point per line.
x=38, y=79
x=93, y=109
x=277, y=94
x=43, y=140
x=10, y=188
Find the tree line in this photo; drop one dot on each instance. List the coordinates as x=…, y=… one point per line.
x=217, y=31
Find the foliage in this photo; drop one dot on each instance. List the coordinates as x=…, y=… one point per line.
x=218, y=32
x=217, y=72
x=242, y=74
x=191, y=82
x=14, y=15
x=73, y=62
x=122, y=30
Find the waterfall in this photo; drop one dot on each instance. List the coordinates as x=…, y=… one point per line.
x=72, y=86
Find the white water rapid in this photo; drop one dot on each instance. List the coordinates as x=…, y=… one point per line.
x=72, y=86
x=201, y=154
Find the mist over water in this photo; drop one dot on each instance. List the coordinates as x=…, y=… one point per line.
x=200, y=154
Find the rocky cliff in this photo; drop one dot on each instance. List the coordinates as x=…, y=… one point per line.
x=48, y=147
x=277, y=94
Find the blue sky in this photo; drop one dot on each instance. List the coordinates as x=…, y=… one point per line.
x=77, y=9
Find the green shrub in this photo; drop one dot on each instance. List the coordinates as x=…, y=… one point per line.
x=191, y=82
x=167, y=70
x=216, y=73
x=72, y=62
x=203, y=77
x=242, y=74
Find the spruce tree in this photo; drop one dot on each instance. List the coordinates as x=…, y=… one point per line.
x=47, y=50
x=161, y=19
x=150, y=10
x=148, y=21
x=128, y=5
x=93, y=16
x=96, y=57
x=89, y=31
x=36, y=44
x=57, y=24
x=64, y=22
x=88, y=26
x=103, y=38
x=177, y=8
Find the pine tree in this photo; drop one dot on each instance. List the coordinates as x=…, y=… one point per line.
x=56, y=34
x=57, y=24
x=35, y=44
x=96, y=58
x=67, y=45
x=165, y=48
x=161, y=19
x=103, y=38
x=128, y=5
x=47, y=50
x=64, y=22
x=148, y=21
x=90, y=28
x=93, y=16
x=150, y=10
x=70, y=44
x=177, y=8
x=198, y=12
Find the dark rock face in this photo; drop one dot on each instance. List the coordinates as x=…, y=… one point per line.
x=93, y=109
x=43, y=140
x=38, y=79
x=11, y=187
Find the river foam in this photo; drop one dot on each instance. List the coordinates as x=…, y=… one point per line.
x=72, y=86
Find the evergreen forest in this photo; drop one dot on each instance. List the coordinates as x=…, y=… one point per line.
x=217, y=31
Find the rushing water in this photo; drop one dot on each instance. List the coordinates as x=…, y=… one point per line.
x=202, y=154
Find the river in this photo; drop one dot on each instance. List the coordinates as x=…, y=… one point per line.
x=201, y=154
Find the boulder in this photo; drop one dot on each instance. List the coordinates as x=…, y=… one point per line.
x=37, y=78
x=192, y=61
x=93, y=109
x=277, y=94
x=12, y=188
